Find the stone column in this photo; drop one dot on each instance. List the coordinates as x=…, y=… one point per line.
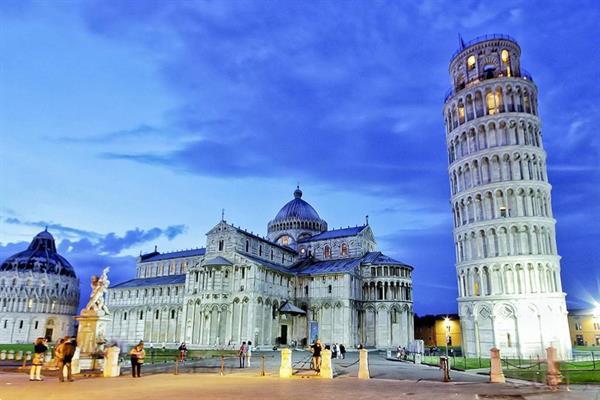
x=111, y=362
x=285, y=370
x=363, y=365
x=326, y=369
x=496, y=374
x=553, y=376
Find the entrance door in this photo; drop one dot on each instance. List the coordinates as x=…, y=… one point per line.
x=284, y=334
x=48, y=334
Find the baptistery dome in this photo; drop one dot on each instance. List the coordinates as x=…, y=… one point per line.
x=39, y=293
x=297, y=219
x=40, y=256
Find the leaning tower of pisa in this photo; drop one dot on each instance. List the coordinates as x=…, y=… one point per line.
x=507, y=265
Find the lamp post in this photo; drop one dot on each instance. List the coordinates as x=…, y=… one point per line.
x=447, y=323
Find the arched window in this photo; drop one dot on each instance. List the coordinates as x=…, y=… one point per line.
x=506, y=61
x=247, y=245
x=471, y=63
x=327, y=252
x=490, y=101
x=344, y=250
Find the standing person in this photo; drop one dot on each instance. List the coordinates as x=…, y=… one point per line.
x=64, y=353
x=334, y=351
x=137, y=359
x=249, y=353
x=182, y=352
x=243, y=351
x=342, y=351
x=316, y=355
x=39, y=349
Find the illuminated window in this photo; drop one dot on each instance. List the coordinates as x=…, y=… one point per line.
x=344, y=250
x=490, y=101
x=285, y=240
x=327, y=252
x=471, y=63
x=506, y=60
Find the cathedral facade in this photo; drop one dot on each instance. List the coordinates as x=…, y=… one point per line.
x=301, y=282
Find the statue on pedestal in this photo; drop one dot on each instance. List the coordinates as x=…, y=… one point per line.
x=99, y=286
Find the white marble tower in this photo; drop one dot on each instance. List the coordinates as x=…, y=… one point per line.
x=507, y=265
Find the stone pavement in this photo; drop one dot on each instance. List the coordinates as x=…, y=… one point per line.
x=15, y=386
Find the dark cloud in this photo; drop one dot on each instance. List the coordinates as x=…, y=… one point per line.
x=61, y=229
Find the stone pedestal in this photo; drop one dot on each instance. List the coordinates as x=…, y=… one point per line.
x=496, y=374
x=326, y=370
x=92, y=329
x=418, y=358
x=553, y=376
x=75, y=364
x=363, y=364
x=285, y=370
x=111, y=362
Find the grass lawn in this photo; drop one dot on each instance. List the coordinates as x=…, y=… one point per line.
x=568, y=376
x=595, y=349
x=16, y=347
x=459, y=362
x=159, y=355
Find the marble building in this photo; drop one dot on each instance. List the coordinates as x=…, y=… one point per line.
x=507, y=264
x=39, y=293
x=300, y=282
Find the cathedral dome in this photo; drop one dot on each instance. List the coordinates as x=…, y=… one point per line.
x=40, y=256
x=295, y=220
x=297, y=209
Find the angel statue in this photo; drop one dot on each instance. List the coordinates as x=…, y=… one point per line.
x=99, y=286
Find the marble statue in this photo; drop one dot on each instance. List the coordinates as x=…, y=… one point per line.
x=99, y=286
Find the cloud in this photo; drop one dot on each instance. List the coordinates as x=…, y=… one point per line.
x=61, y=229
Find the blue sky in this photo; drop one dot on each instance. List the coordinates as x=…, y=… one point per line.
x=129, y=124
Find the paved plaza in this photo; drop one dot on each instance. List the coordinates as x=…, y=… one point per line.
x=201, y=380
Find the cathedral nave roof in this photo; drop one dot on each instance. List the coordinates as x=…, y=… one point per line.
x=155, y=281
x=335, y=233
x=156, y=256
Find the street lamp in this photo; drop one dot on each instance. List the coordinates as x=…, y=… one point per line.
x=447, y=323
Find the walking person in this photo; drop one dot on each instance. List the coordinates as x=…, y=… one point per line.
x=342, y=351
x=334, y=351
x=64, y=353
x=182, y=352
x=316, y=355
x=248, y=354
x=242, y=352
x=39, y=349
x=137, y=359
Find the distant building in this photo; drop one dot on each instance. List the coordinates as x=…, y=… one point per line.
x=39, y=293
x=584, y=326
x=301, y=282
x=507, y=263
x=433, y=330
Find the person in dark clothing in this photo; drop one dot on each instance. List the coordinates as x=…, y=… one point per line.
x=39, y=350
x=316, y=355
x=64, y=355
x=137, y=359
x=342, y=351
x=182, y=352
